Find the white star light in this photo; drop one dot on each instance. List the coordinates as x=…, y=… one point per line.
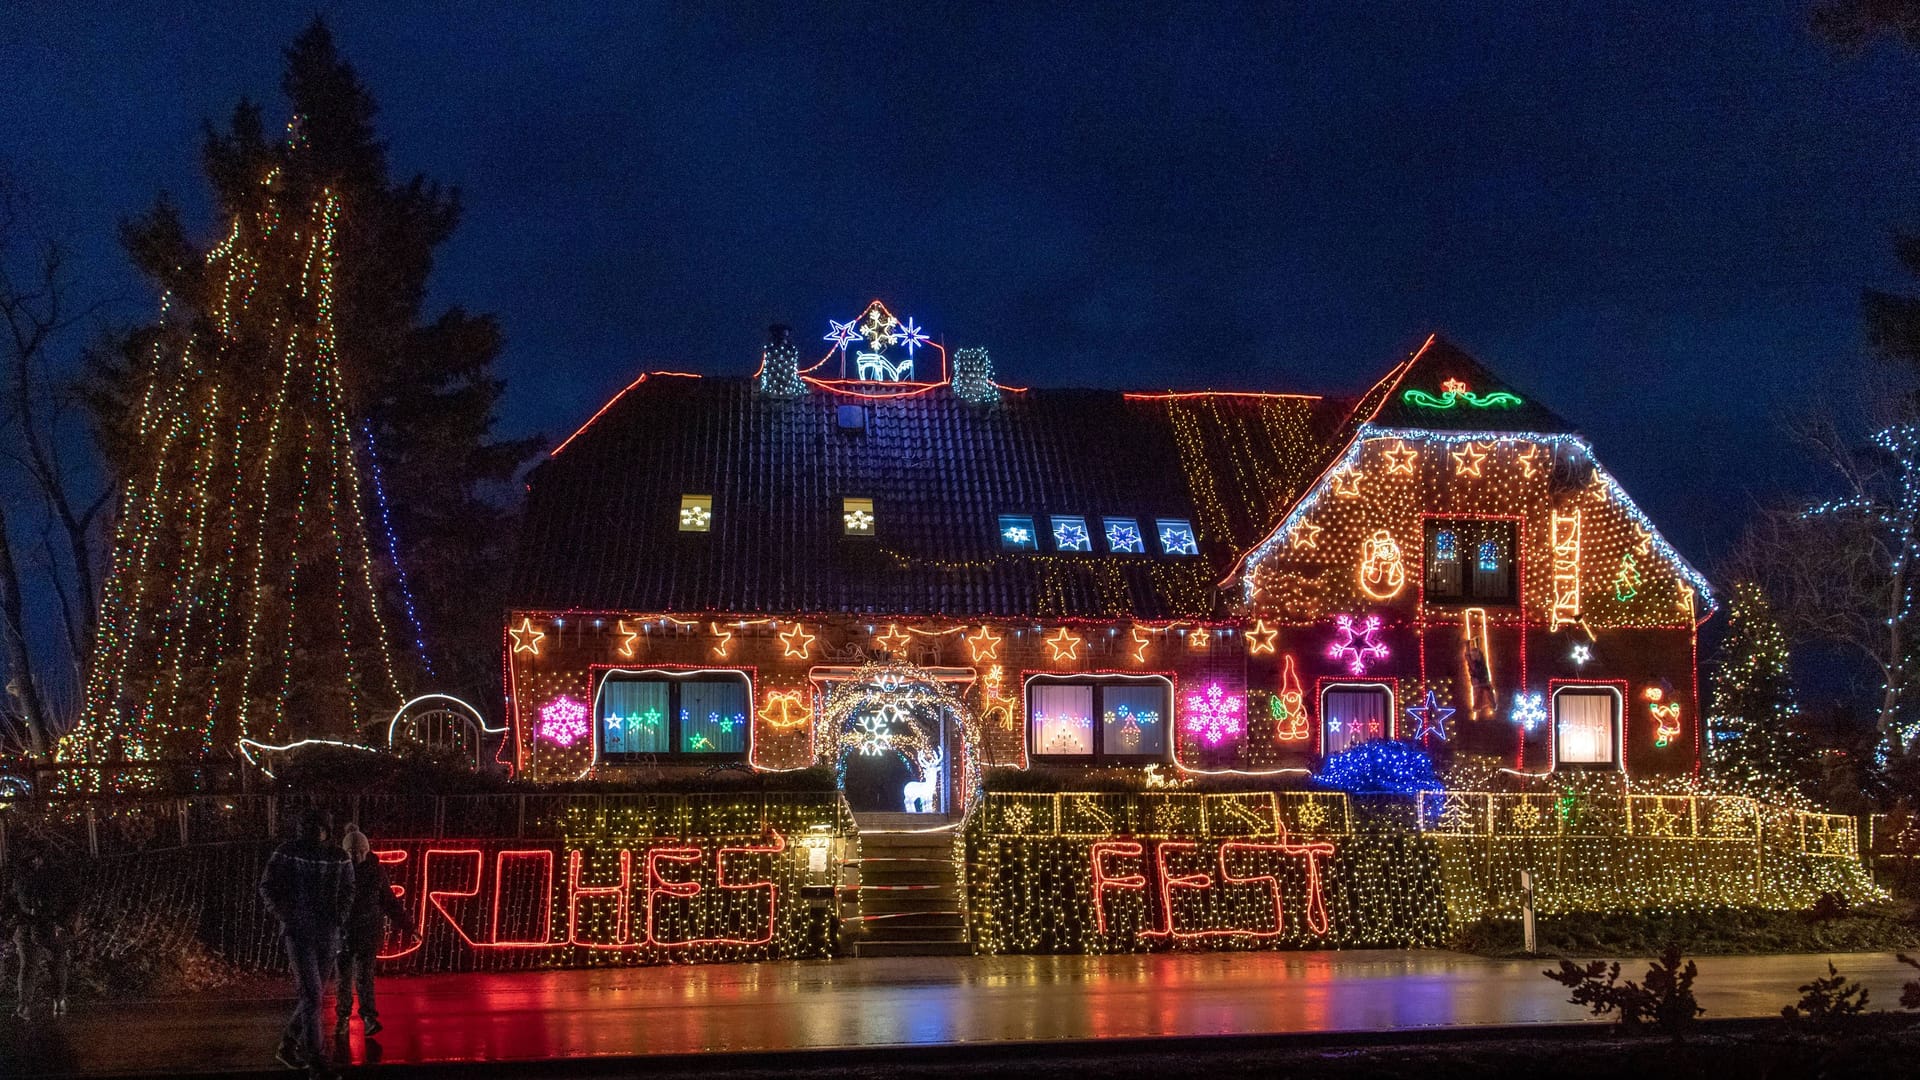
x=1071, y=537
x=912, y=336
x=1581, y=654
x=842, y=332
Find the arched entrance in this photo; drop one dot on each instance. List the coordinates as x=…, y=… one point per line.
x=900, y=738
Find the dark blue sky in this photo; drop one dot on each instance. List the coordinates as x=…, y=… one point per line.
x=1657, y=221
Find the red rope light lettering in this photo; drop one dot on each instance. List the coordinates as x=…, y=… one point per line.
x=1102, y=881
x=546, y=906
x=1170, y=881
x=659, y=886
x=394, y=857
x=430, y=895
x=622, y=896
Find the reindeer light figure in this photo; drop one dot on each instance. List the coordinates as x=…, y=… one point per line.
x=922, y=796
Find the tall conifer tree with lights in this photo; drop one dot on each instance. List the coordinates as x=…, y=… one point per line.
x=1753, y=714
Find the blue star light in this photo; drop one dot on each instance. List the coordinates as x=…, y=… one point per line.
x=912, y=336
x=1431, y=718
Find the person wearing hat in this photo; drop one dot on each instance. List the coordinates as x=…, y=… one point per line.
x=373, y=904
x=308, y=886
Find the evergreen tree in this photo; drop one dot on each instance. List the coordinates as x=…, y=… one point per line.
x=1754, y=715
x=419, y=392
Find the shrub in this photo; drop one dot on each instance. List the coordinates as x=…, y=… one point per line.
x=1909, y=991
x=1829, y=906
x=1392, y=767
x=1825, y=1000
x=1666, y=1000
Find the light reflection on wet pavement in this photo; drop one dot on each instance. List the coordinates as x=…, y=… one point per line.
x=522, y=1016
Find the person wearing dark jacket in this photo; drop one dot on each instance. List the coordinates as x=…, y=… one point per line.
x=49, y=911
x=373, y=904
x=308, y=886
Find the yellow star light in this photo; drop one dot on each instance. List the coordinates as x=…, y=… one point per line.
x=1198, y=637
x=725, y=636
x=632, y=637
x=1306, y=535
x=1065, y=645
x=797, y=641
x=1141, y=639
x=984, y=645
x=1468, y=459
x=894, y=640
x=1401, y=459
x=1346, y=483
x=1260, y=639
x=1529, y=461
x=1660, y=821
x=526, y=639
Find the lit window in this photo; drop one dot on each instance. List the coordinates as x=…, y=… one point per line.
x=1017, y=534
x=1176, y=536
x=857, y=516
x=1470, y=561
x=1070, y=534
x=1586, y=725
x=1354, y=713
x=1114, y=717
x=663, y=713
x=1123, y=535
x=696, y=513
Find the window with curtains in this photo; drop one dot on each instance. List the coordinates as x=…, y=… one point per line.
x=658, y=713
x=1471, y=561
x=1353, y=713
x=1586, y=725
x=1118, y=718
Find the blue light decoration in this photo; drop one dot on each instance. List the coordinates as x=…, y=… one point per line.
x=1070, y=534
x=1430, y=718
x=1444, y=548
x=1559, y=442
x=1529, y=710
x=1176, y=536
x=1489, y=556
x=393, y=551
x=1380, y=768
x=1123, y=536
x=1017, y=533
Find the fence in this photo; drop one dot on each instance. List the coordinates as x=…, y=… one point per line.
x=1730, y=818
x=107, y=827
x=1102, y=814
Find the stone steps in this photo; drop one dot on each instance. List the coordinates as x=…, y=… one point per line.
x=910, y=899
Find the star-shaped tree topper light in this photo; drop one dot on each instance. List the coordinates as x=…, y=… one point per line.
x=1215, y=716
x=1430, y=718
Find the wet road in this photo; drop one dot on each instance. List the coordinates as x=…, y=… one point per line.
x=889, y=1002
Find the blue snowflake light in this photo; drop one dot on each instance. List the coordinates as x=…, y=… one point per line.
x=1070, y=534
x=1123, y=535
x=1176, y=537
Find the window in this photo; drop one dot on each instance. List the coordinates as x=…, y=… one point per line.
x=664, y=713
x=696, y=513
x=1586, y=725
x=1176, y=536
x=1017, y=534
x=1470, y=561
x=1354, y=713
x=1123, y=536
x=1070, y=534
x=1114, y=718
x=856, y=515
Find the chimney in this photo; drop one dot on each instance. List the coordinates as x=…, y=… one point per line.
x=973, y=377
x=780, y=364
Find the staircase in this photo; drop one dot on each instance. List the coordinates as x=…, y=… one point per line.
x=910, y=898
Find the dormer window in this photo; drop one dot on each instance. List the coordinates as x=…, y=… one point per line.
x=856, y=517
x=1470, y=561
x=1123, y=536
x=1070, y=534
x=1176, y=536
x=1017, y=533
x=696, y=513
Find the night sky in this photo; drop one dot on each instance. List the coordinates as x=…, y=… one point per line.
x=1656, y=221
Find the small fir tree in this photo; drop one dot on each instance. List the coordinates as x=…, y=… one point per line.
x=1754, y=716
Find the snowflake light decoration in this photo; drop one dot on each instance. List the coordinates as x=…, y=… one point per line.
x=1015, y=534
x=563, y=721
x=875, y=734
x=1125, y=537
x=858, y=521
x=1071, y=536
x=912, y=336
x=1529, y=710
x=1215, y=716
x=695, y=517
x=1358, y=643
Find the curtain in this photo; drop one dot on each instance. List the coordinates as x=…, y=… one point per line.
x=1062, y=719
x=713, y=717
x=1354, y=716
x=1133, y=720
x=1584, y=722
x=633, y=716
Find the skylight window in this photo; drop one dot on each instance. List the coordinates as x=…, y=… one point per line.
x=856, y=515
x=1017, y=533
x=1070, y=534
x=1176, y=536
x=1123, y=536
x=696, y=513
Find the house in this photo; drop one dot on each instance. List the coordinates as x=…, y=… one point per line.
x=913, y=580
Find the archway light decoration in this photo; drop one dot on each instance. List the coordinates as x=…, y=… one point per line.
x=896, y=706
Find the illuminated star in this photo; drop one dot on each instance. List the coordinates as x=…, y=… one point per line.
x=1468, y=459
x=1141, y=639
x=1431, y=718
x=615, y=725
x=1065, y=645
x=725, y=636
x=1529, y=461
x=1260, y=639
x=1069, y=536
x=1306, y=535
x=1660, y=821
x=1581, y=654
x=843, y=332
x=726, y=723
x=525, y=638
x=797, y=641
x=984, y=645
x=1346, y=483
x=893, y=641
x=1401, y=459
x=911, y=336
x=630, y=638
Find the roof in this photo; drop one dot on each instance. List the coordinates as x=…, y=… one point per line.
x=1441, y=388
x=602, y=526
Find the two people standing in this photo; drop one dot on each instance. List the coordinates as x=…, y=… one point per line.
x=49, y=908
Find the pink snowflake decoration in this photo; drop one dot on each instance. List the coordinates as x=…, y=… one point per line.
x=1216, y=716
x=563, y=721
x=1357, y=645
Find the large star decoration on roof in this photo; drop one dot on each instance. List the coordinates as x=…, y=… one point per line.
x=985, y=645
x=1306, y=535
x=1431, y=718
x=1468, y=459
x=526, y=639
x=1065, y=645
x=1401, y=459
x=843, y=333
x=1346, y=483
x=797, y=641
x=894, y=640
